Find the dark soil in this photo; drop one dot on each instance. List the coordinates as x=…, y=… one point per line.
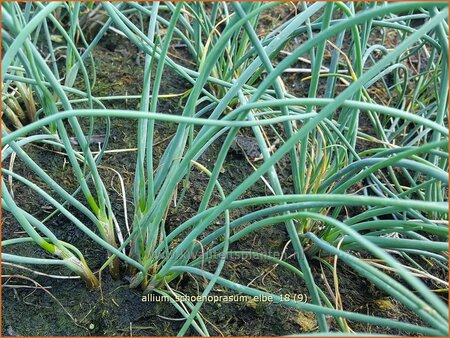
x=115, y=309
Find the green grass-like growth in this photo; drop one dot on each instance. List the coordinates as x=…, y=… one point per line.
x=393, y=74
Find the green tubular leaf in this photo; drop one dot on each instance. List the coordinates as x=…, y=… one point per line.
x=314, y=308
x=23, y=35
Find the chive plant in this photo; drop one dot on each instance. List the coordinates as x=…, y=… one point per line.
x=386, y=89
